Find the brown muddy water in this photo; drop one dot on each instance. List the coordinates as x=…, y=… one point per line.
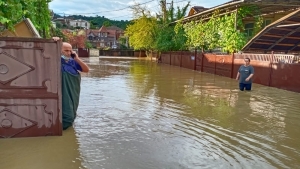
x=136, y=114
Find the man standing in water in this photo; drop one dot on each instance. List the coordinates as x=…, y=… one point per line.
x=245, y=75
x=70, y=79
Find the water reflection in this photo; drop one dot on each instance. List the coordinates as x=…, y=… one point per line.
x=136, y=114
x=142, y=115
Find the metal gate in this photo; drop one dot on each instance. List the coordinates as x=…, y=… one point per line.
x=30, y=99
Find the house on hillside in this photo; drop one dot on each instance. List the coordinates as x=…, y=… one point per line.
x=105, y=37
x=79, y=23
x=70, y=23
x=281, y=23
x=63, y=21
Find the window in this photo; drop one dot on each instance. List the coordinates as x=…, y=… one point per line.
x=266, y=22
x=249, y=29
x=90, y=38
x=102, y=44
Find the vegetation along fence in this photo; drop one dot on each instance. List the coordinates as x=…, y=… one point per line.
x=275, y=70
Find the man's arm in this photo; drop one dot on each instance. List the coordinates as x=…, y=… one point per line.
x=237, y=76
x=83, y=66
x=251, y=75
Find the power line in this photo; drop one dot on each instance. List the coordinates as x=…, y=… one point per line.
x=111, y=10
x=155, y=6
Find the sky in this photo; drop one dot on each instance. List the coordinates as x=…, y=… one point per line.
x=118, y=9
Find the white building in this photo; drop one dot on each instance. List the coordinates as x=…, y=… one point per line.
x=80, y=23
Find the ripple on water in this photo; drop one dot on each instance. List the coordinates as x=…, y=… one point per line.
x=157, y=116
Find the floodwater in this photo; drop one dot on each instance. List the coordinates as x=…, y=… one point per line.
x=136, y=114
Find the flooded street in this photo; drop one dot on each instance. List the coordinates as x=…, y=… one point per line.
x=136, y=114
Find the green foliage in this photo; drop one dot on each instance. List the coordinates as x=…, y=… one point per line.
x=164, y=36
x=13, y=11
x=195, y=33
x=224, y=32
x=56, y=32
x=88, y=45
x=142, y=33
x=107, y=23
x=180, y=37
x=172, y=14
x=149, y=33
x=170, y=38
x=231, y=39
x=59, y=25
x=122, y=40
x=252, y=11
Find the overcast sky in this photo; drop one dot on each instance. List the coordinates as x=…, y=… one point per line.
x=118, y=9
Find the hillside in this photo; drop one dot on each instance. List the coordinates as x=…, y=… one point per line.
x=98, y=21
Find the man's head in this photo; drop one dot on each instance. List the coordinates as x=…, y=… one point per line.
x=247, y=61
x=66, y=49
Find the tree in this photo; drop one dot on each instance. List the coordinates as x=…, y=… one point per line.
x=170, y=37
x=170, y=14
x=107, y=24
x=142, y=33
x=56, y=32
x=150, y=33
x=123, y=42
x=13, y=11
x=88, y=45
x=59, y=25
x=75, y=39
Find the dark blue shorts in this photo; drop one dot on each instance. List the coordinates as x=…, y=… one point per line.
x=245, y=86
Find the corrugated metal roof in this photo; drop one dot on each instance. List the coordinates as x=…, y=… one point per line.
x=282, y=36
x=265, y=6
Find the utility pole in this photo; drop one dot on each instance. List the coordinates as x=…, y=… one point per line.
x=164, y=9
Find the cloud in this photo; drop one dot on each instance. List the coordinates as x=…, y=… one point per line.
x=116, y=9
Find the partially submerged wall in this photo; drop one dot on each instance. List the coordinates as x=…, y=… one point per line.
x=275, y=70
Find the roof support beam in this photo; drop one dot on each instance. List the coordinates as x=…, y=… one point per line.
x=282, y=38
x=287, y=25
x=292, y=48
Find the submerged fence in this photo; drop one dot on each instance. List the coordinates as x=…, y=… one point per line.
x=121, y=52
x=275, y=70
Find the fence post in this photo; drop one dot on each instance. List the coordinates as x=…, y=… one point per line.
x=170, y=57
x=181, y=58
x=195, y=59
x=232, y=65
x=271, y=67
x=215, y=61
x=202, y=55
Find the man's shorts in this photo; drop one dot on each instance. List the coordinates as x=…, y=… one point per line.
x=244, y=86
